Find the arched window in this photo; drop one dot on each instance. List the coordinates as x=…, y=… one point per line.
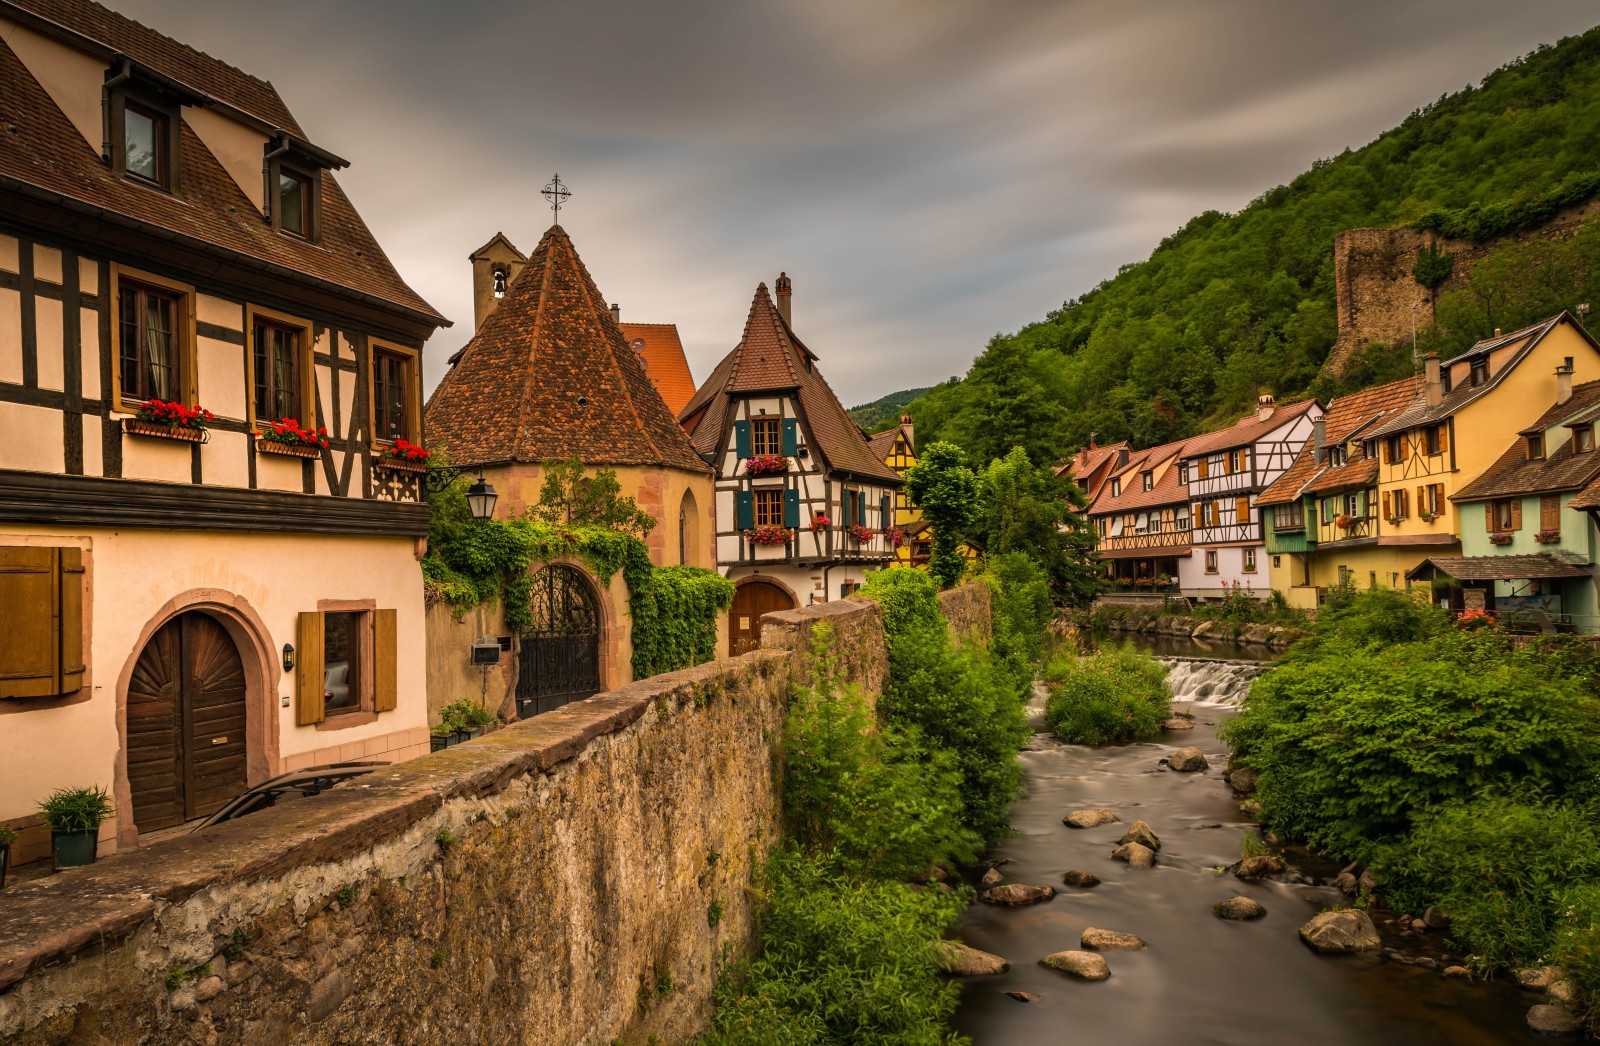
x=688, y=520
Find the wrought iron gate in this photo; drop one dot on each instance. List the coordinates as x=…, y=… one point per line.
x=559, y=660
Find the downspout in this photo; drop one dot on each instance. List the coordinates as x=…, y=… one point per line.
x=825, y=588
x=266, y=176
x=124, y=74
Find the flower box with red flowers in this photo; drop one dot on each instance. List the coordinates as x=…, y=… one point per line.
x=170, y=420
x=403, y=456
x=1500, y=537
x=819, y=523
x=285, y=436
x=766, y=465
x=1547, y=537
x=768, y=534
x=896, y=539
x=1345, y=522
x=862, y=535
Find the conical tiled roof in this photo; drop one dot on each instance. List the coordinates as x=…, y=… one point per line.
x=550, y=376
x=769, y=358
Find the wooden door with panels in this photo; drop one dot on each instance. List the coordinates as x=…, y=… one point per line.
x=753, y=599
x=186, y=723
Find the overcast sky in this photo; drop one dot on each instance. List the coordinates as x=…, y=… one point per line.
x=928, y=172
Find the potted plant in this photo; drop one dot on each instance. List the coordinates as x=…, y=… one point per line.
x=861, y=534
x=820, y=522
x=468, y=718
x=1344, y=522
x=1547, y=537
x=8, y=835
x=403, y=455
x=766, y=465
x=442, y=736
x=74, y=816
x=286, y=436
x=1500, y=537
x=169, y=420
x=768, y=534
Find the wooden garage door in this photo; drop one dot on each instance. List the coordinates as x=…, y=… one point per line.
x=186, y=723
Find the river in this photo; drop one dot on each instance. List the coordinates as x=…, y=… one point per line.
x=1201, y=980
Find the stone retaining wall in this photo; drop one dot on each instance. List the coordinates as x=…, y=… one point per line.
x=576, y=878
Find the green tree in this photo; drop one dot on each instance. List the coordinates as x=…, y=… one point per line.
x=568, y=496
x=1433, y=268
x=1024, y=508
x=946, y=490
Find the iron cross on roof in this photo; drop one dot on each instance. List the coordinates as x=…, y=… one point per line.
x=557, y=193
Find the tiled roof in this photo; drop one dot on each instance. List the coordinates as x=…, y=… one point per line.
x=1166, y=490
x=45, y=156
x=1346, y=418
x=769, y=358
x=1523, y=341
x=882, y=443
x=661, y=350
x=1560, y=469
x=1087, y=461
x=1587, y=498
x=1246, y=430
x=1498, y=568
x=549, y=376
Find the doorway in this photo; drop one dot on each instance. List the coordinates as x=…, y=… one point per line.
x=559, y=659
x=753, y=599
x=186, y=723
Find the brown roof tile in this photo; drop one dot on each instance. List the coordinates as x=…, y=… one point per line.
x=46, y=157
x=661, y=350
x=1246, y=430
x=1166, y=490
x=1346, y=418
x=769, y=358
x=1498, y=568
x=1559, y=470
x=549, y=376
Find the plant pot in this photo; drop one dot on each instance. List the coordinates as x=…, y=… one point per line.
x=468, y=734
x=72, y=849
x=288, y=450
x=439, y=742
x=5, y=861
x=161, y=431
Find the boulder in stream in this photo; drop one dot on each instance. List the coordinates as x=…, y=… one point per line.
x=1552, y=1018
x=1141, y=833
x=1110, y=940
x=1187, y=760
x=1090, y=818
x=1238, y=908
x=1348, y=884
x=959, y=960
x=1345, y=931
x=1436, y=919
x=992, y=877
x=1023, y=996
x=1083, y=880
x=1242, y=779
x=1177, y=723
x=1013, y=895
x=1136, y=854
x=1085, y=966
x=1259, y=867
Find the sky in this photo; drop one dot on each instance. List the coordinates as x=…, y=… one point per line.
x=928, y=172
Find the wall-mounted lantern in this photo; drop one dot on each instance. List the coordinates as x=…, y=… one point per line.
x=288, y=657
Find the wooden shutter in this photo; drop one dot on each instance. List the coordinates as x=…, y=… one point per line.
x=1550, y=512
x=1422, y=499
x=861, y=508
x=308, y=708
x=791, y=508
x=888, y=513
x=1388, y=505
x=741, y=438
x=1444, y=437
x=744, y=504
x=70, y=627
x=1488, y=516
x=385, y=656
x=791, y=437
x=1241, y=511
x=30, y=643
x=1516, y=513
x=1204, y=467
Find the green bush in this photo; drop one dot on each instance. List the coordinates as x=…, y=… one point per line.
x=1115, y=694
x=843, y=960
x=1577, y=947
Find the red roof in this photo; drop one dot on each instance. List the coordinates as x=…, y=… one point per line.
x=1345, y=419
x=661, y=351
x=1162, y=462
x=549, y=376
x=1246, y=430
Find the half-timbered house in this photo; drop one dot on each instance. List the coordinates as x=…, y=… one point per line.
x=192, y=607
x=1141, y=519
x=804, y=508
x=1091, y=466
x=1225, y=471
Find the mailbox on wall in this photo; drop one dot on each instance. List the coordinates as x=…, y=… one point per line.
x=486, y=651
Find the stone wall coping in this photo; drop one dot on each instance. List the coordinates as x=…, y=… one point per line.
x=53, y=920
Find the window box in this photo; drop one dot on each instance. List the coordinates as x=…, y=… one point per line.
x=1547, y=537
x=285, y=436
x=394, y=464
x=862, y=535
x=819, y=523
x=291, y=450
x=1500, y=538
x=766, y=465
x=767, y=534
x=166, y=430
x=403, y=456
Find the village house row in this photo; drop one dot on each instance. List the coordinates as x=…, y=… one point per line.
x=212, y=498
x=1477, y=479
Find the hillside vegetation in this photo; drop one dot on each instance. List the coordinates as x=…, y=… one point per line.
x=885, y=410
x=1231, y=305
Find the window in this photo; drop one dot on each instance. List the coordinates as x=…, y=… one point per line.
x=1504, y=516
x=144, y=144
x=1394, y=449
x=342, y=661
x=1288, y=517
x=1480, y=372
x=1583, y=439
x=1550, y=514
x=142, y=126
x=1433, y=440
x=766, y=437
x=683, y=535
x=1147, y=480
x=1116, y=487
x=1444, y=380
x=1338, y=455
x=1396, y=504
x=1143, y=524
x=1249, y=561
x=1237, y=462
x=1183, y=472
x=1211, y=562
x=1183, y=519
x=1536, y=447
x=1430, y=500
x=277, y=365
x=769, y=508
x=848, y=589
x=394, y=415
x=293, y=183
x=294, y=203
x=151, y=351
x=41, y=603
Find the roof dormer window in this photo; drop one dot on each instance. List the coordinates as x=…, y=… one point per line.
x=1480, y=372
x=1116, y=487
x=1582, y=439
x=142, y=125
x=1147, y=480
x=294, y=203
x=1536, y=447
x=294, y=188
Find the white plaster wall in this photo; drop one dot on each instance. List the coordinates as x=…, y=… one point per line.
x=10, y=336
x=50, y=342
x=221, y=370
x=89, y=333
x=1194, y=581
x=145, y=457
x=133, y=573
x=33, y=439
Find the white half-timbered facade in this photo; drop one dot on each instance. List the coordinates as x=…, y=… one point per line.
x=192, y=608
x=804, y=510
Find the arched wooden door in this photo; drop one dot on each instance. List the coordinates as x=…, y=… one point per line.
x=753, y=599
x=559, y=659
x=186, y=723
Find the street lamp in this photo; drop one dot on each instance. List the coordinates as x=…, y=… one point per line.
x=481, y=498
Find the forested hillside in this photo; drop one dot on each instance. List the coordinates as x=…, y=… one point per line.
x=885, y=409
x=1230, y=305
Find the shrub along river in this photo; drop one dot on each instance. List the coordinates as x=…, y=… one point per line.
x=1201, y=979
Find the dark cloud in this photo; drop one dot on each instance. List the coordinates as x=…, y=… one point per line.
x=928, y=171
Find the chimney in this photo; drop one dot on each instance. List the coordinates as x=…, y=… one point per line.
x=1497, y=332
x=1092, y=445
x=616, y=313
x=1319, y=436
x=785, y=295
x=1122, y=456
x=1265, y=405
x=1564, y=381
x=1432, y=386
x=911, y=429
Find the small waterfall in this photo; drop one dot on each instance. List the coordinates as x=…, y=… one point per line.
x=1209, y=681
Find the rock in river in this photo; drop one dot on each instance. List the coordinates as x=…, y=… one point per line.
x=1081, y=879
x=1242, y=780
x=1086, y=966
x=1259, y=867
x=956, y=958
x=1089, y=818
x=1023, y=996
x=1341, y=932
x=1141, y=833
x=1015, y=894
x=1177, y=723
x=992, y=877
x=1110, y=940
x=1137, y=855
x=1238, y=908
x=1552, y=1018
x=1187, y=760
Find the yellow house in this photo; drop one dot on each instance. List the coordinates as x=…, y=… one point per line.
x=897, y=448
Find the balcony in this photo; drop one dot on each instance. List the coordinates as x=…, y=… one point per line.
x=1352, y=528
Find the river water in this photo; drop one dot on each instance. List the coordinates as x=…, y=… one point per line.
x=1201, y=980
